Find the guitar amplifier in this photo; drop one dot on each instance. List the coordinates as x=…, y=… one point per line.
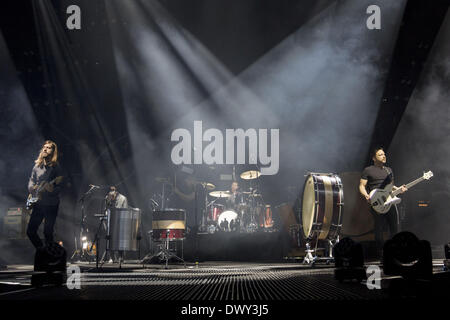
x=15, y=223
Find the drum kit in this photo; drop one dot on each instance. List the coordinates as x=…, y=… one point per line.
x=320, y=215
x=243, y=211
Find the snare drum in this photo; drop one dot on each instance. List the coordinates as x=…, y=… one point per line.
x=169, y=224
x=214, y=212
x=228, y=221
x=323, y=199
x=264, y=216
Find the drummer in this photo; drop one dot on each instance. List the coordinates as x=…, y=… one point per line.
x=232, y=201
x=115, y=200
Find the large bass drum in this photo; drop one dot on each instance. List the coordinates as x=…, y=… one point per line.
x=323, y=199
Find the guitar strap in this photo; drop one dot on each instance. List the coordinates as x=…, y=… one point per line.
x=390, y=174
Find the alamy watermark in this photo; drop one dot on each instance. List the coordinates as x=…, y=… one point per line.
x=373, y=277
x=73, y=277
x=215, y=153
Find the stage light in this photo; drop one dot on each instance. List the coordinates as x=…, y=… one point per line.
x=349, y=260
x=407, y=256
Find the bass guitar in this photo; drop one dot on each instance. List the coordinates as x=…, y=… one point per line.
x=381, y=200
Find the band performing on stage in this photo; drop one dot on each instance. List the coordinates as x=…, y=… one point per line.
x=189, y=206
x=216, y=150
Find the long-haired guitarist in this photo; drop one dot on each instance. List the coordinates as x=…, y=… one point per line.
x=44, y=186
x=378, y=176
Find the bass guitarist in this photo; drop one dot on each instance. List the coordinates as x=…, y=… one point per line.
x=45, y=185
x=379, y=176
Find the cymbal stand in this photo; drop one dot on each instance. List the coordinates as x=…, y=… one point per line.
x=252, y=224
x=205, y=210
x=96, y=241
x=106, y=220
x=163, y=196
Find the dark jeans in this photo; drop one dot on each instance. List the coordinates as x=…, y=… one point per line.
x=381, y=220
x=39, y=213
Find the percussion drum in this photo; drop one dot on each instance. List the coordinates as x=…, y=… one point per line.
x=169, y=224
x=124, y=228
x=214, y=212
x=265, y=219
x=323, y=199
x=228, y=221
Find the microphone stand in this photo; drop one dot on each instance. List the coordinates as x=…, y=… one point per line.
x=83, y=230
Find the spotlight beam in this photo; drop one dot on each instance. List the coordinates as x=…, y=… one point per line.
x=411, y=51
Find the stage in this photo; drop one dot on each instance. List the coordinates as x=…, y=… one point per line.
x=215, y=282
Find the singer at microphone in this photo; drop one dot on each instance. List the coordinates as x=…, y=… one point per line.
x=115, y=200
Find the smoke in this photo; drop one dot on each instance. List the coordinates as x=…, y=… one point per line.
x=326, y=81
x=20, y=141
x=422, y=143
x=321, y=86
x=165, y=74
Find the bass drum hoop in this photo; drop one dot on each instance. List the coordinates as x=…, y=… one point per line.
x=332, y=200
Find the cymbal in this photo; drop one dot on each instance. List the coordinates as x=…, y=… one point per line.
x=209, y=186
x=161, y=179
x=220, y=194
x=249, y=175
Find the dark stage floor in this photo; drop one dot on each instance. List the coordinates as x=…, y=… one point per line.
x=212, y=281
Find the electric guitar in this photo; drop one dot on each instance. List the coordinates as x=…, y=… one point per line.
x=36, y=195
x=381, y=200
